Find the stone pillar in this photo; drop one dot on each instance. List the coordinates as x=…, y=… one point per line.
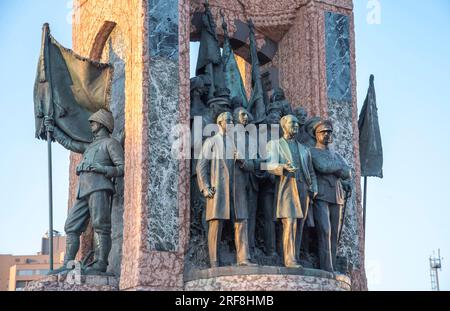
x=156, y=188
x=149, y=46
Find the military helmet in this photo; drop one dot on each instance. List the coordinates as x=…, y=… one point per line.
x=105, y=118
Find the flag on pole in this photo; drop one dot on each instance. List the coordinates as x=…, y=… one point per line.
x=370, y=147
x=233, y=78
x=68, y=89
x=256, y=104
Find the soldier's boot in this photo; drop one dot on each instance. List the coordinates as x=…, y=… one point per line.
x=103, y=247
x=72, y=246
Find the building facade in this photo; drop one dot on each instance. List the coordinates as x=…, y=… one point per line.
x=17, y=271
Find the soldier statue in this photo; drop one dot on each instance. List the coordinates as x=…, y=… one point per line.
x=333, y=178
x=221, y=174
x=291, y=162
x=103, y=159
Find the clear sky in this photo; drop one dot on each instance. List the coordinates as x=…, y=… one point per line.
x=408, y=215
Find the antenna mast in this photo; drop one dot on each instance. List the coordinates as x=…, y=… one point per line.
x=435, y=265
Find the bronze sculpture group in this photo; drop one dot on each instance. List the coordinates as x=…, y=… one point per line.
x=304, y=184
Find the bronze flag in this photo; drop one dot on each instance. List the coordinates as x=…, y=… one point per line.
x=68, y=89
x=233, y=78
x=256, y=104
x=370, y=148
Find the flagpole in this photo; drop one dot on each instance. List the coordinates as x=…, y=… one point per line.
x=50, y=197
x=364, y=204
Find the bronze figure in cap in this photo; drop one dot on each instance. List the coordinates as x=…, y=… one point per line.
x=103, y=160
x=333, y=179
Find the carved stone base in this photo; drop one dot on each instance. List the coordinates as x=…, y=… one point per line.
x=264, y=278
x=65, y=282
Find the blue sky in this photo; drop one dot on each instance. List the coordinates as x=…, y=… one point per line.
x=408, y=215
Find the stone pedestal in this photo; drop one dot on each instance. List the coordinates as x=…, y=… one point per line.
x=68, y=283
x=264, y=278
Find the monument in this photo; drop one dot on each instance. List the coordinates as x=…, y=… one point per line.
x=166, y=231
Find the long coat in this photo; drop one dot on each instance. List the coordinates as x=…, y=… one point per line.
x=227, y=177
x=289, y=187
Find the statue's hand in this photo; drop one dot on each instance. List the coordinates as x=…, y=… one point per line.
x=97, y=168
x=209, y=193
x=49, y=124
x=289, y=168
x=343, y=173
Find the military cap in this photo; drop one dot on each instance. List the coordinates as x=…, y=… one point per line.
x=323, y=126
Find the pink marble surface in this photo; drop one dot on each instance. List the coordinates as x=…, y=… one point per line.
x=267, y=282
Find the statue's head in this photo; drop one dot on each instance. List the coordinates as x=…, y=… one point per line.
x=272, y=117
x=223, y=120
x=289, y=124
x=301, y=115
x=241, y=116
x=237, y=102
x=324, y=132
x=217, y=106
x=102, y=118
x=277, y=95
x=197, y=85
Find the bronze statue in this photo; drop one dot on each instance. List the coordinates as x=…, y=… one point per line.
x=221, y=174
x=249, y=152
x=333, y=179
x=279, y=104
x=210, y=60
x=266, y=195
x=103, y=159
x=199, y=88
x=291, y=161
x=302, y=116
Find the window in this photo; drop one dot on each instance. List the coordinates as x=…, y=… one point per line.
x=25, y=272
x=41, y=271
x=20, y=285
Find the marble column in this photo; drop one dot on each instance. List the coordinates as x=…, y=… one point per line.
x=157, y=255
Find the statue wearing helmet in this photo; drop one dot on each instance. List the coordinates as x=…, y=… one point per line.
x=103, y=159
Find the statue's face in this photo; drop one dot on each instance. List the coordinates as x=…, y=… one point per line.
x=95, y=126
x=291, y=127
x=278, y=97
x=301, y=115
x=273, y=118
x=227, y=121
x=324, y=137
x=243, y=117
